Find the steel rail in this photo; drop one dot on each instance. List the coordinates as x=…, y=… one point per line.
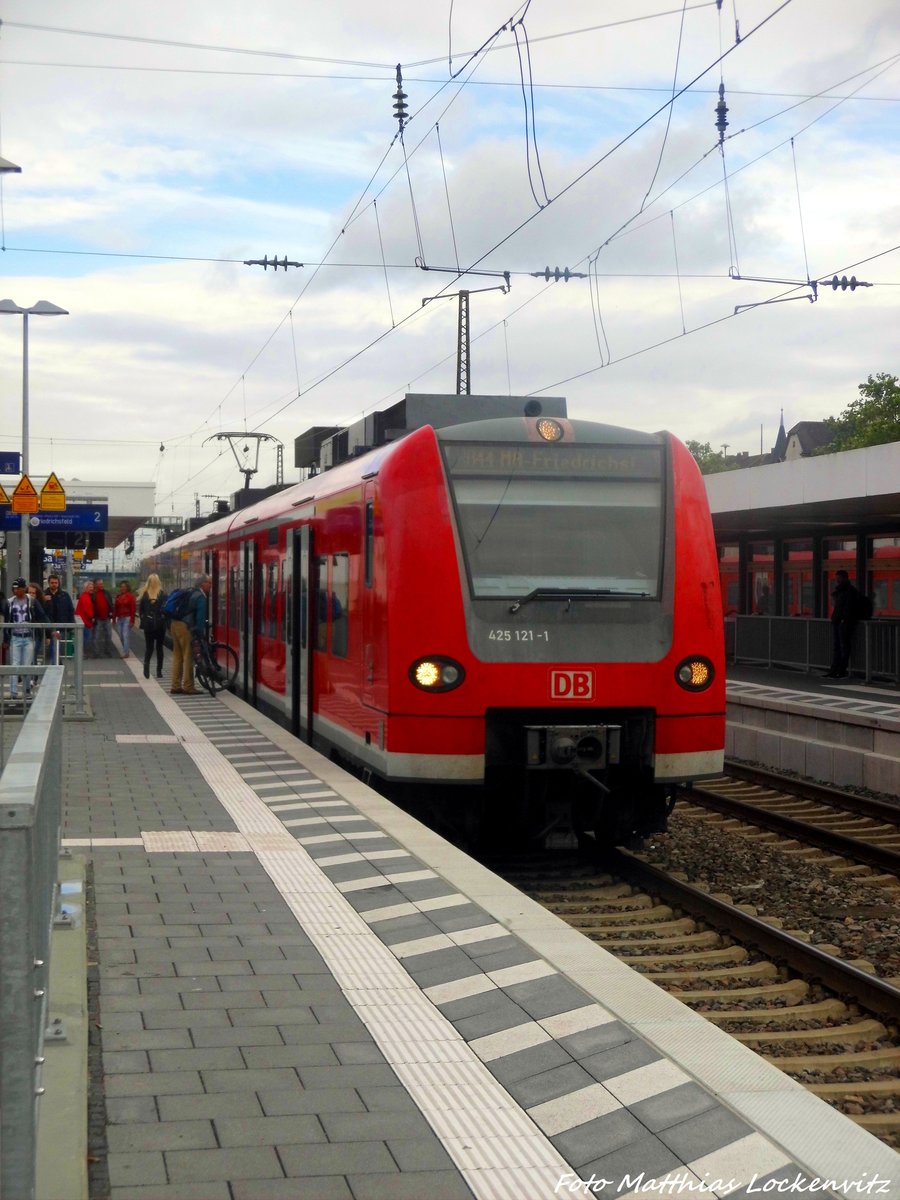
x=872, y=993
x=806, y=789
x=878, y=857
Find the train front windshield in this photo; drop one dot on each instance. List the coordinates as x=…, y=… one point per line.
x=559, y=517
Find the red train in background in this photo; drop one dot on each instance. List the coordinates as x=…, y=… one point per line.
x=519, y=614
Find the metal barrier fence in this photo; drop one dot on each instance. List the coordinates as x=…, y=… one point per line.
x=806, y=644
x=30, y=807
x=67, y=650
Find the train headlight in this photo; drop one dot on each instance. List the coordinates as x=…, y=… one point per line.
x=436, y=674
x=550, y=430
x=695, y=674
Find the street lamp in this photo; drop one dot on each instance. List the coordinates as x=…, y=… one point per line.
x=43, y=308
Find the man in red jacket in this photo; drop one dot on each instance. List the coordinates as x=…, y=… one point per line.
x=103, y=611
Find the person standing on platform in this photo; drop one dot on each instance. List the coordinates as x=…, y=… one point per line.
x=85, y=609
x=192, y=625
x=103, y=612
x=20, y=614
x=124, y=611
x=60, y=609
x=844, y=616
x=153, y=623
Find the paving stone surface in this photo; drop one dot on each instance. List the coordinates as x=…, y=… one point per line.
x=230, y=1062
x=232, y=1065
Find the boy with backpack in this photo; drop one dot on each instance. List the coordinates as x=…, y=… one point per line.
x=21, y=613
x=186, y=609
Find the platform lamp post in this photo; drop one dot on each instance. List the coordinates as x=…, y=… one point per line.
x=43, y=308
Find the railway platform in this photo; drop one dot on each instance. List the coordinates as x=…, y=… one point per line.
x=843, y=732
x=297, y=990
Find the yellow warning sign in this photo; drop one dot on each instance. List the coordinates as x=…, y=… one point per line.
x=24, y=498
x=53, y=496
x=4, y=499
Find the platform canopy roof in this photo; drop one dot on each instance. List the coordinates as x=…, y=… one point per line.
x=856, y=489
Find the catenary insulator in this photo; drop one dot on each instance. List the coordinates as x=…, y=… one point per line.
x=400, y=100
x=721, y=114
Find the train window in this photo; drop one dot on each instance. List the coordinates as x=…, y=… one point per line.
x=569, y=517
x=320, y=612
x=340, y=603
x=281, y=620
x=370, y=542
x=288, y=613
x=729, y=559
x=796, y=565
x=760, y=577
x=233, y=602
x=272, y=582
x=838, y=554
x=883, y=574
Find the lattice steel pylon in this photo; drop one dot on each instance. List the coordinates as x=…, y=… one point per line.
x=247, y=471
x=463, y=387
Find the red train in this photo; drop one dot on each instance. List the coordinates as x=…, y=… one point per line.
x=521, y=603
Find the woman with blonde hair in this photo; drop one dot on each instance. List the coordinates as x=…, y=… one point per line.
x=153, y=622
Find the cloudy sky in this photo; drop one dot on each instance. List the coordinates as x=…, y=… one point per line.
x=162, y=145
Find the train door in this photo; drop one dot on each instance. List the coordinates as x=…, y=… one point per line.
x=249, y=608
x=369, y=630
x=299, y=650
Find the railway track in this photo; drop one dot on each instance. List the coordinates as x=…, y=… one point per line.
x=831, y=1025
x=857, y=829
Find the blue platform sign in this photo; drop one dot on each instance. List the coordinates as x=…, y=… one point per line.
x=77, y=518
x=10, y=462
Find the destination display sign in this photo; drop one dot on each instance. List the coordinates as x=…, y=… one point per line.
x=553, y=459
x=85, y=518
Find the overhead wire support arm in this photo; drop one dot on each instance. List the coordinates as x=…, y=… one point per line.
x=814, y=284
x=423, y=266
x=243, y=436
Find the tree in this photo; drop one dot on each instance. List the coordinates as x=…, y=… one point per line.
x=871, y=420
x=708, y=460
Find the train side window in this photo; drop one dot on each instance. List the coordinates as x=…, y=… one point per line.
x=273, y=600
x=233, y=603
x=370, y=542
x=282, y=631
x=320, y=612
x=340, y=602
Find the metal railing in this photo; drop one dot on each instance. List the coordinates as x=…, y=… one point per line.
x=805, y=643
x=67, y=650
x=30, y=807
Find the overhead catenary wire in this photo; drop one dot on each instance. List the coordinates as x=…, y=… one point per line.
x=383, y=267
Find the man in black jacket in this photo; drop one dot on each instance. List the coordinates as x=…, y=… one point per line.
x=60, y=609
x=844, y=617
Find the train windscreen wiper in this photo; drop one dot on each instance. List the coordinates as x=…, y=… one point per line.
x=544, y=593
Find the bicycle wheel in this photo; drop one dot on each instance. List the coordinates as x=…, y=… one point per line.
x=225, y=664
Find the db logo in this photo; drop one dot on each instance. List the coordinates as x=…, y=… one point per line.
x=571, y=685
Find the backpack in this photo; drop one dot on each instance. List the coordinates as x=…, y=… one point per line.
x=865, y=607
x=178, y=604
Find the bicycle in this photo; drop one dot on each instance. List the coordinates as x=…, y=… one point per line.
x=215, y=663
